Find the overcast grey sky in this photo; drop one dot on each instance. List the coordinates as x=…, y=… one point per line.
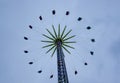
x=102, y=15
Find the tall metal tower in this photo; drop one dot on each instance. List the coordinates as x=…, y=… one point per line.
x=58, y=42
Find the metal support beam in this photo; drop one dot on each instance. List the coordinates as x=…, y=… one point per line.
x=62, y=72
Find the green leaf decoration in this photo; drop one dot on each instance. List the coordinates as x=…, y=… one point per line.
x=48, y=37
x=47, y=45
x=54, y=51
x=59, y=30
x=47, y=41
x=70, y=42
x=50, y=49
x=54, y=31
x=58, y=37
x=69, y=38
x=63, y=31
x=66, y=34
x=50, y=33
x=66, y=50
x=68, y=46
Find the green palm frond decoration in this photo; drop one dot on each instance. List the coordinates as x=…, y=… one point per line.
x=58, y=37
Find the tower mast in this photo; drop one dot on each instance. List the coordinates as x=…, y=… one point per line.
x=62, y=72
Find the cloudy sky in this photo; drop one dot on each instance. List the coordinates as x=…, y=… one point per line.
x=102, y=15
